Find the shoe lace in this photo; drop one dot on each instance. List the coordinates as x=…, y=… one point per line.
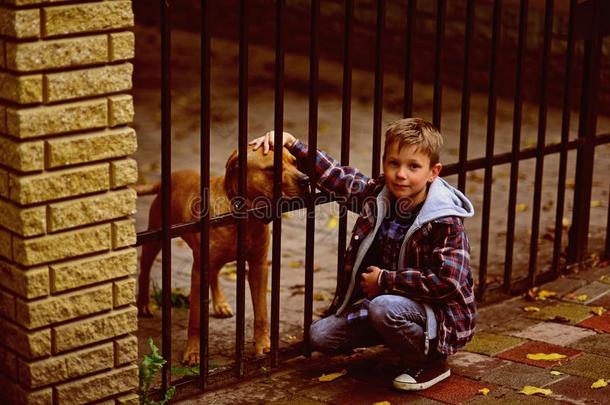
x=414, y=372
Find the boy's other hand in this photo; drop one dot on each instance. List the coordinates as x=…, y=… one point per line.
x=266, y=141
x=369, y=283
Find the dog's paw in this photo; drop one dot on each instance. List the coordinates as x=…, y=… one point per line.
x=144, y=311
x=262, y=347
x=223, y=310
x=191, y=354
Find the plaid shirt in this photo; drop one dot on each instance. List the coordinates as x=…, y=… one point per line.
x=435, y=268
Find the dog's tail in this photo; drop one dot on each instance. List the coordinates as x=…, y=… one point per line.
x=147, y=188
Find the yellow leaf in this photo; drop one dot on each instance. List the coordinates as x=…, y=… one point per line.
x=529, y=390
x=382, y=403
x=596, y=204
x=547, y=357
x=544, y=294
x=321, y=296
x=554, y=372
x=598, y=310
x=604, y=278
x=332, y=222
x=231, y=276
x=332, y=376
x=484, y=391
x=582, y=297
x=570, y=184
x=295, y=264
x=521, y=207
x=599, y=384
x=531, y=309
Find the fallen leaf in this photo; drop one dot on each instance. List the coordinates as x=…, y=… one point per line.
x=531, y=309
x=382, y=403
x=530, y=390
x=332, y=222
x=604, y=278
x=521, y=207
x=544, y=294
x=484, y=391
x=596, y=204
x=531, y=142
x=582, y=297
x=566, y=222
x=332, y=376
x=296, y=264
x=321, y=296
x=598, y=310
x=554, y=372
x=599, y=384
x=546, y=357
x=570, y=184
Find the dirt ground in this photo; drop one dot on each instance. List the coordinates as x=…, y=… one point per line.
x=224, y=91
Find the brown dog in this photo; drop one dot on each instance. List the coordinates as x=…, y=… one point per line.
x=185, y=194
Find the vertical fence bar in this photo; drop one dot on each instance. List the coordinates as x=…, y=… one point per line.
x=204, y=237
x=378, y=105
x=241, y=188
x=408, y=97
x=313, y=144
x=277, y=182
x=548, y=31
x=345, y=129
x=441, y=9
x=465, y=120
x=514, y=166
x=489, y=150
x=166, y=168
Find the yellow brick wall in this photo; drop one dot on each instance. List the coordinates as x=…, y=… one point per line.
x=67, y=262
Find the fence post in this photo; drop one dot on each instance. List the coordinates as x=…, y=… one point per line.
x=588, y=26
x=66, y=261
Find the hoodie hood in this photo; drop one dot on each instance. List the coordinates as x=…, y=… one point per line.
x=444, y=200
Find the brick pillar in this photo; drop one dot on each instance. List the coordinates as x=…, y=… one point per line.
x=66, y=263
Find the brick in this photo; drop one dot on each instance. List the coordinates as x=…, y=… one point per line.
x=29, y=252
x=3, y=183
x=120, y=110
x=77, y=18
x=19, y=23
x=592, y=291
x=99, y=386
x=491, y=344
x=595, y=344
x=83, y=272
x=129, y=399
x=454, y=390
x=7, y=305
x=22, y=156
x=35, y=314
x=70, y=214
x=88, y=82
x=516, y=375
x=598, y=323
x=60, y=368
x=24, y=221
x=588, y=365
x=572, y=313
x=59, y=53
x=94, y=329
x=8, y=362
x=14, y=394
x=571, y=390
x=28, y=344
x=59, y=184
x=21, y=89
x=473, y=365
x=122, y=46
x=519, y=354
x=126, y=350
x=49, y=120
x=124, y=233
x=6, y=241
x=88, y=148
x=2, y=58
x=123, y=172
x=124, y=292
x=554, y=333
x=30, y=283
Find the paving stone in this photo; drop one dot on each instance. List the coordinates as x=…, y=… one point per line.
x=564, y=285
x=329, y=390
x=296, y=399
x=453, y=390
x=500, y=313
x=596, y=344
x=367, y=394
x=601, y=323
x=512, y=397
x=473, y=365
x=593, y=291
x=491, y=344
x=575, y=389
x=587, y=365
x=555, y=333
x=517, y=375
x=603, y=301
x=572, y=313
x=592, y=274
x=514, y=325
x=519, y=354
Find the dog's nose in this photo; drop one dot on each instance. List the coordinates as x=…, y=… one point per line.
x=304, y=181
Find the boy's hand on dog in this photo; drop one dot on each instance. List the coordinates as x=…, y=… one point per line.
x=369, y=283
x=267, y=140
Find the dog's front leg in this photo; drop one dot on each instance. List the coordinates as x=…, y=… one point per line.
x=257, y=277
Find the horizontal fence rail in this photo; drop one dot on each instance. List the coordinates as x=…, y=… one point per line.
x=587, y=24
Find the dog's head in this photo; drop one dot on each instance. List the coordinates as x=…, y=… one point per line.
x=260, y=175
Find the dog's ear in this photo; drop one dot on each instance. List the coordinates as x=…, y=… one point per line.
x=231, y=174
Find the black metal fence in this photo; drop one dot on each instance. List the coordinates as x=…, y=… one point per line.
x=588, y=22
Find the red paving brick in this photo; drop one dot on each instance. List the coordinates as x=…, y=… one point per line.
x=598, y=322
x=454, y=390
x=519, y=353
x=579, y=388
x=368, y=394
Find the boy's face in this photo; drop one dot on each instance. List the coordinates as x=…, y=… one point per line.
x=408, y=172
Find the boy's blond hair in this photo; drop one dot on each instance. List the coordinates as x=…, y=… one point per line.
x=418, y=132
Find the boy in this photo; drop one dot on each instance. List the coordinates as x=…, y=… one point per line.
x=407, y=281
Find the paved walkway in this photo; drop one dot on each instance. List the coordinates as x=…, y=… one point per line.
x=568, y=322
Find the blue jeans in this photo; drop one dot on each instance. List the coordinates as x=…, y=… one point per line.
x=396, y=321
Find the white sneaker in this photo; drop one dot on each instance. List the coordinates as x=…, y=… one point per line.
x=417, y=379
